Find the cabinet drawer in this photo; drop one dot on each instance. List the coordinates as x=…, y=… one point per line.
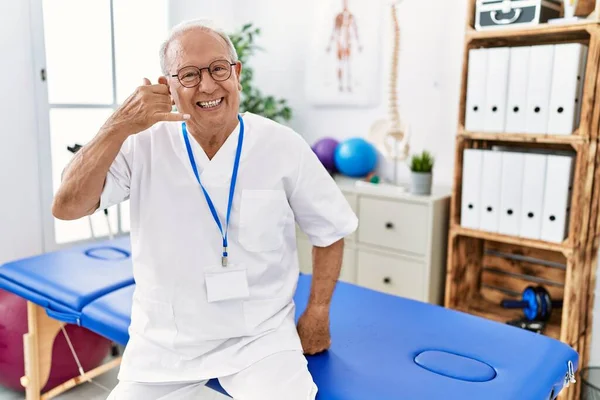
x=393, y=275
x=353, y=201
x=394, y=224
x=304, y=255
x=348, y=272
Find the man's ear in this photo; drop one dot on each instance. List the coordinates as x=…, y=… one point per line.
x=163, y=80
x=238, y=72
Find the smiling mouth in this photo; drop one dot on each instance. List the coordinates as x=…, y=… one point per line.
x=209, y=104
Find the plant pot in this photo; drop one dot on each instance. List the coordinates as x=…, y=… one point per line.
x=420, y=183
x=569, y=7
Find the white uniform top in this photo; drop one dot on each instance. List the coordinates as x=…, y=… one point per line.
x=175, y=333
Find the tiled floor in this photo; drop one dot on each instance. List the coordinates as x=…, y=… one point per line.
x=89, y=391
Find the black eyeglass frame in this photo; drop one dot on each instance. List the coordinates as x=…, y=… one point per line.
x=200, y=72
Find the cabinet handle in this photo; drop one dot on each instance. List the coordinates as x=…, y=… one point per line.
x=387, y=280
x=389, y=225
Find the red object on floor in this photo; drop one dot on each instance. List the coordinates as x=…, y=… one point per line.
x=90, y=348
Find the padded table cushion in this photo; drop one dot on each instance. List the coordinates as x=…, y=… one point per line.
x=65, y=281
x=110, y=315
x=385, y=346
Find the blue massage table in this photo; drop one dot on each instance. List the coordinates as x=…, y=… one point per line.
x=384, y=347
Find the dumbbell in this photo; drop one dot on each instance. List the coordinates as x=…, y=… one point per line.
x=536, y=303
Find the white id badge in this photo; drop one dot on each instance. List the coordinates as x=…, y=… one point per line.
x=226, y=283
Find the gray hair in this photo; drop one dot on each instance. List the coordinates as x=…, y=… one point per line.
x=202, y=24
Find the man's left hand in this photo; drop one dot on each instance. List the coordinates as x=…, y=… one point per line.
x=313, y=329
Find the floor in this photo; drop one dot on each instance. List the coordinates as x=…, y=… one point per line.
x=90, y=391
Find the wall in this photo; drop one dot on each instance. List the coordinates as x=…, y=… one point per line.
x=429, y=75
x=20, y=216
x=428, y=80
x=595, y=345
x=429, y=70
x=222, y=12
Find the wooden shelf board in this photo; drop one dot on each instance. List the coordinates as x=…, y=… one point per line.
x=496, y=237
x=537, y=33
x=483, y=308
x=523, y=137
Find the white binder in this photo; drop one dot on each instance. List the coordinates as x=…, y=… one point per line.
x=490, y=190
x=532, y=201
x=581, y=81
x=567, y=86
x=471, y=188
x=541, y=63
x=476, y=85
x=511, y=192
x=557, y=195
x=496, y=87
x=516, y=103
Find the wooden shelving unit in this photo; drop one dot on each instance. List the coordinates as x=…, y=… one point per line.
x=572, y=140
x=543, y=33
x=483, y=307
x=485, y=267
x=490, y=236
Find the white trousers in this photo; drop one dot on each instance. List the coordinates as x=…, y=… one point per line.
x=280, y=376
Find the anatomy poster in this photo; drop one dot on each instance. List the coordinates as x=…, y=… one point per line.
x=343, y=63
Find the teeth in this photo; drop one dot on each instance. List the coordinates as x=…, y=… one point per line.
x=209, y=104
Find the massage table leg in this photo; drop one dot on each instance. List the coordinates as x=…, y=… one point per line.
x=38, y=343
x=37, y=349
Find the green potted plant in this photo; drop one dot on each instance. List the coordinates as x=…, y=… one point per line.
x=421, y=167
x=252, y=99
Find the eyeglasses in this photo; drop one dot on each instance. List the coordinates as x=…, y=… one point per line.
x=219, y=70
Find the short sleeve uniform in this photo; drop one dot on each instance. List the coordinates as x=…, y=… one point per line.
x=176, y=334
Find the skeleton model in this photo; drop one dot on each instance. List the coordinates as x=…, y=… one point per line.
x=343, y=28
x=387, y=134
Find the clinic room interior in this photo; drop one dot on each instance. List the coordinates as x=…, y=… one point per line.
x=417, y=188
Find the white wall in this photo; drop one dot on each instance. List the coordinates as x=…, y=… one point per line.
x=429, y=72
x=431, y=48
x=20, y=213
x=595, y=344
x=222, y=12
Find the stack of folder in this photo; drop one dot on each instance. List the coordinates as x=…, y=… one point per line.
x=517, y=192
x=525, y=89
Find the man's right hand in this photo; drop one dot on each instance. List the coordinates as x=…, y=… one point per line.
x=83, y=179
x=147, y=105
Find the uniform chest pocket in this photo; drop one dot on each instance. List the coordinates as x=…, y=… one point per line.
x=263, y=214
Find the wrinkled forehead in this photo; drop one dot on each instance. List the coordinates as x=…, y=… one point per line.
x=196, y=47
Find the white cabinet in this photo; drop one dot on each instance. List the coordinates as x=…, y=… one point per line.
x=348, y=272
x=400, y=244
x=393, y=224
x=391, y=273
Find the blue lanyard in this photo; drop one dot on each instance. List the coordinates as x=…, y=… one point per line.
x=231, y=187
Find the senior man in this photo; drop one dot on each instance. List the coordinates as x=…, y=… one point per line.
x=214, y=198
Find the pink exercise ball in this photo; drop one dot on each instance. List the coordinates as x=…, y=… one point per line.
x=90, y=348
